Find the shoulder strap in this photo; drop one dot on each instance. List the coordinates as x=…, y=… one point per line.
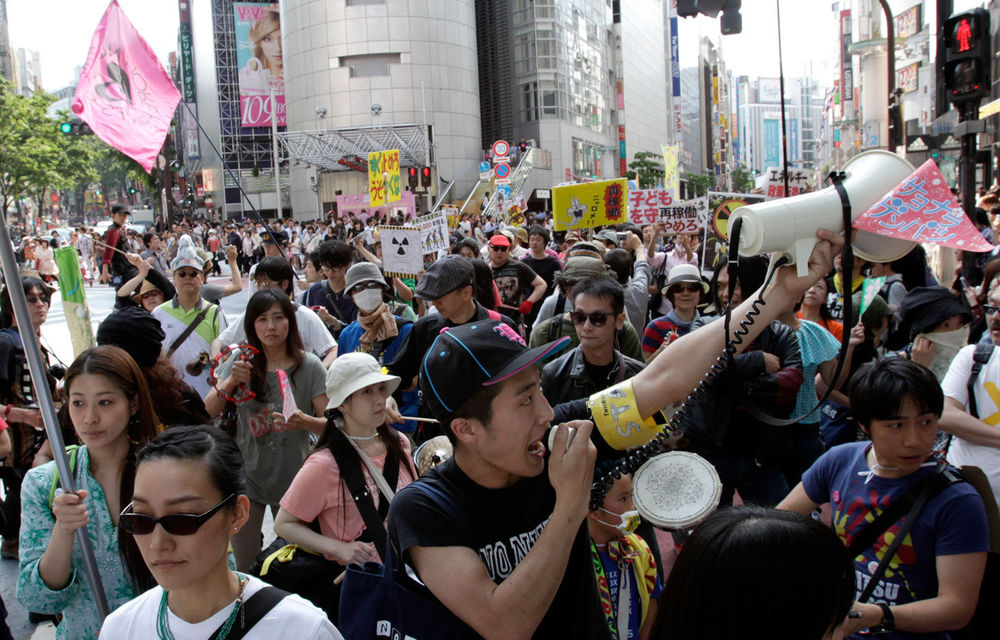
x=979, y=358
x=71, y=450
x=931, y=486
x=189, y=330
x=254, y=609
x=327, y=291
x=350, y=471
x=560, y=305
x=555, y=327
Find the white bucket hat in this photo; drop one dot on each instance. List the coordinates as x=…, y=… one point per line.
x=352, y=372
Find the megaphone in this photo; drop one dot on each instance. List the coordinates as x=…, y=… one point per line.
x=788, y=226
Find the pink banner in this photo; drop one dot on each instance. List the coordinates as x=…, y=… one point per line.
x=124, y=93
x=923, y=209
x=359, y=205
x=256, y=110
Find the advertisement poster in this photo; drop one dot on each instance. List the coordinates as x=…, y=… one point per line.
x=358, y=205
x=720, y=208
x=591, y=204
x=671, y=178
x=259, y=58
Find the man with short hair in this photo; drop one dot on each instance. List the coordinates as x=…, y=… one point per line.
x=514, y=277
x=152, y=254
x=539, y=259
x=113, y=263
x=497, y=532
x=329, y=297
x=187, y=308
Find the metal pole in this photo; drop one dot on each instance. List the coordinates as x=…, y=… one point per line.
x=33, y=355
x=274, y=154
x=895, y=136
x=427, y=140
x=967, y=182
x=781, y=82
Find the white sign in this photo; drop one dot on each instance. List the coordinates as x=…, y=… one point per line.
x=500, y=148
x=402, y=252
x=676, y=217
x=543, y=194
x=433, y=231
x=798, y=182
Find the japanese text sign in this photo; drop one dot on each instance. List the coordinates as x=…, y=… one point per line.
x=433, y=231
x=592, y=204
x=923, y=209
x=383, y=177
x=645, y=207
x=798, y=182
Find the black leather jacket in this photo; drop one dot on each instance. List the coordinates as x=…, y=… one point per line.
x=565, y=378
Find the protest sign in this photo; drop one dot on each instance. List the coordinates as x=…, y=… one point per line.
x=798, y=182
x=402, y=252
x=671, y=178
x=591, y=204
x=433, y=231
x=74, y=298
x=923, y=209
x=720, y=209
x=645, y=207
x=383, y=177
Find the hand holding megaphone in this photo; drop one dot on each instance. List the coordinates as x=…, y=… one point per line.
x=788, y=226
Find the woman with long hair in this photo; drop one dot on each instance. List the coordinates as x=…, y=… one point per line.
x=273, y=445
x=814, y=308
x=190, y=495
x=356, y=430
x=111, y=411
x=265, y=40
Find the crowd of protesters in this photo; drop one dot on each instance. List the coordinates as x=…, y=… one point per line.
x=338, y=374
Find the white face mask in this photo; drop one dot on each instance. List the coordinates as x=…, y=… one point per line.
x=368, y=300
x=946, y=345
x=629, y=521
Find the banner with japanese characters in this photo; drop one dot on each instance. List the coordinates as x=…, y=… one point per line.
x=590, y=204
x=433, y=231
x=671, y=177
x=798, y=182
x=383, y=177
x=649, y=206
x=923, y=209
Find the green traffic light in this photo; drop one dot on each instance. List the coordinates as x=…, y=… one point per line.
x=66, y=127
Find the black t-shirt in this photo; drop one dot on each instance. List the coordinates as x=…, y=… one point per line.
x=415, y=345
x=502, y=525
x=547, y=267
x=511, y=280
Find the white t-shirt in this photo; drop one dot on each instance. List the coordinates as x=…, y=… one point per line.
x=315, y=336
x=955, y=385
x=293, y=618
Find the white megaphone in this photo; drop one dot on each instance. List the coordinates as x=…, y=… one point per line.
x=788, y=226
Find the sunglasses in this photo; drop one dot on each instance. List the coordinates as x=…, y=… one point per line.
x=690, y=287
x=597, y=318
x=361, y=286
x=499, y=248
x=176, y=524
x=988, y=308
x=34, y=299
x=187, y=274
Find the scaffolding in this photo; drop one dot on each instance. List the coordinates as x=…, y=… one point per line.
x=347, y=148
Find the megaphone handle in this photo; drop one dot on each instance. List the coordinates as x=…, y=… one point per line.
x=801, y=251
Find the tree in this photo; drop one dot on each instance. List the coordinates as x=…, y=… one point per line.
x=29, y=149
x=742, y=179
x=648, y=170
x=700, y=183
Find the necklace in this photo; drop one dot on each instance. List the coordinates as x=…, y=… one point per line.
x=361, y=438
x=163, y=624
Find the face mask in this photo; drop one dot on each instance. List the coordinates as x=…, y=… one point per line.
x=946, y=345
x=368, y=300
x=629, y=521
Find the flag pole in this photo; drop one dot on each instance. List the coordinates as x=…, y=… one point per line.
x=33, y=355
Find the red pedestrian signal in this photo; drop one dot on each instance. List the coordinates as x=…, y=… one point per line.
x=425, y=176
x=412, y=178
x=968, y=59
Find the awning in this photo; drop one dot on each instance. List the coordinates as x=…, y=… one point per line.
x=339, y=149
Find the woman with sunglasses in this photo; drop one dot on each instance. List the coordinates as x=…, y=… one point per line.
x=685, y=288
x=111, y=411
x=273, y=446
x=191, y=482
x=355, y=440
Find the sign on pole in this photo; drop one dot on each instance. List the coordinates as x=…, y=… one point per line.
x=500, y=149
x=384, y=185
x=591, y=204
x=402, y=252
x=798, y=182
x=690, y=216
x=433, y=231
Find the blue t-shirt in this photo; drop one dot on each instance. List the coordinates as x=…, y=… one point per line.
x=816, y=346
x=350, y=341
x=953, y=523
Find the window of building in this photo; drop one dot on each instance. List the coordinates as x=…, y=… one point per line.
x=366, y=65
x=358, y=3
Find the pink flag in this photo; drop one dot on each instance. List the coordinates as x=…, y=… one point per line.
x=923, y=209
x=125, y=94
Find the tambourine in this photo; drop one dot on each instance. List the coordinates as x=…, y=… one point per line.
x=432, y=453
x=246, y=353
x=676, y=490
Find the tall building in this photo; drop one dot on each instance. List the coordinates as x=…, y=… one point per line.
x=6, y=54
x=763, y=139
x=29, y=71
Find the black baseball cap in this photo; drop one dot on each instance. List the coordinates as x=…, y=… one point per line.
x=477, y=354
x=444, y=276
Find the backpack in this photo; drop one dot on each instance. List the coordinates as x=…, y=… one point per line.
x=979, y=358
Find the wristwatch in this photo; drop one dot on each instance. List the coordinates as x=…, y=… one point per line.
x=888, y=623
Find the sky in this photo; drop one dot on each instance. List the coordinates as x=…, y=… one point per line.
x=60, y=30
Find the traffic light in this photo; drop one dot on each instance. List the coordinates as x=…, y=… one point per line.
x=968, y=58
x=425, y=176
x=731, y=21
x=131, y=191
x=75, y=127
x=412, y=178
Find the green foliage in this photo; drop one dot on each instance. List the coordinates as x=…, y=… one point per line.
x=743, y=181
x=700, y=183
x=648, y=170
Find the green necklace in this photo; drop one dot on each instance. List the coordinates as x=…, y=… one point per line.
x=163, y=624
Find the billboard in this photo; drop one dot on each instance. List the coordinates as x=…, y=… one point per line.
x=259, y=58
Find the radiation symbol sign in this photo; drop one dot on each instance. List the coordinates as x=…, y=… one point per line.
x=722, y=213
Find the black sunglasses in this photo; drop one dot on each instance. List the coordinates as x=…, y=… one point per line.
x=34, y=299
x=597, y=318
x=990, y=309
x=176, y=524
x=495, y=248
x=187, y=274
x=361, y=286
x=690, y=287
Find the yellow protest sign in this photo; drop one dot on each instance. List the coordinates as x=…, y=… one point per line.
x=591, y=204
x=671, y=179
x=384, y=186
